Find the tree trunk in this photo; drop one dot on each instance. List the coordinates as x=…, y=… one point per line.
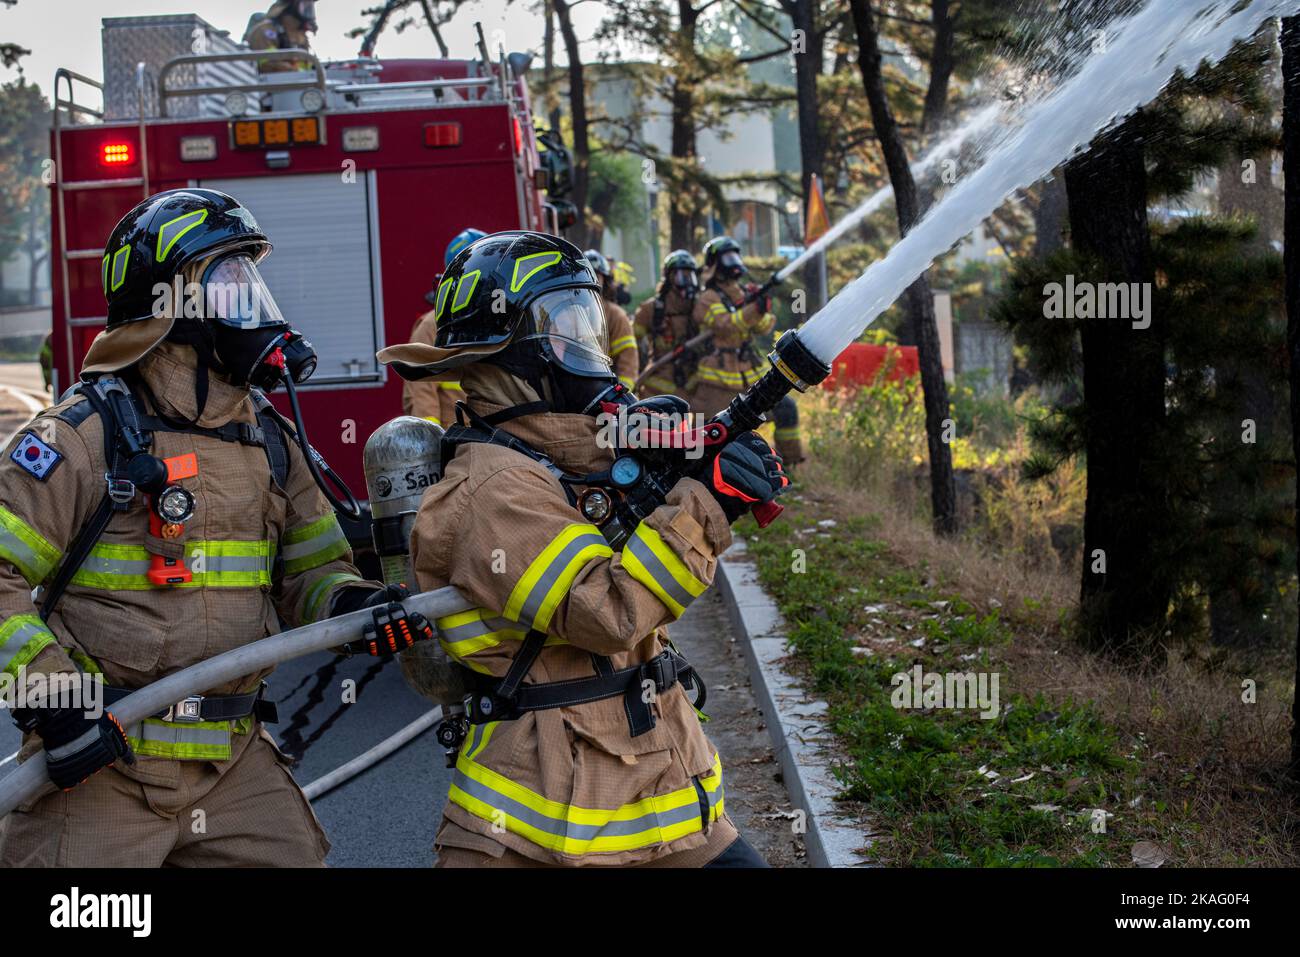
x=942, y=60
x=578, y=114
x=1124, y=596
x=1291, y=227
x=548, y=67
x=1235, y=620
x=920, y=302
x=812, y=147
x=681, y=210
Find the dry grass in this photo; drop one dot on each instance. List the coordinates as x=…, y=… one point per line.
x=1213, y=789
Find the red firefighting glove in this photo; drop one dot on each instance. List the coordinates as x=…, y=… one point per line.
x=76, y=745
x=747, y=472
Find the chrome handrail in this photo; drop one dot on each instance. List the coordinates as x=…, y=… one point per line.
x=164, y=94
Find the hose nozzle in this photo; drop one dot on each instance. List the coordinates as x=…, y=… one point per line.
x=794, y=367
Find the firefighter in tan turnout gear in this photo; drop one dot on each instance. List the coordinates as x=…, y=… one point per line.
x=168, y=515
x=582, y=744
x=287, y=25
x=432, y=399
x=667, y=321
x=735, y=363
x=622, y=341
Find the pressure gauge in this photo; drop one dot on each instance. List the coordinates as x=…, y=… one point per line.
x=626, y=471
x=174, y=505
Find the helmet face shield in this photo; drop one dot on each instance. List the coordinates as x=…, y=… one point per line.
x=730, y=264
x=684, y=280
x=234, y=294
x=571, y=326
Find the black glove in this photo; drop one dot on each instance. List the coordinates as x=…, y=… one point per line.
x=392, y=628
x=76, y=746
x=746, y=472
x=763, y=300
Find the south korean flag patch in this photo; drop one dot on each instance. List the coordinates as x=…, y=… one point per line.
x=35, y=456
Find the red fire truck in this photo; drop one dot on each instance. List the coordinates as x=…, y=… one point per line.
x=360, y=172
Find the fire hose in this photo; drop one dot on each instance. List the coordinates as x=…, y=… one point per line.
x=26, y=782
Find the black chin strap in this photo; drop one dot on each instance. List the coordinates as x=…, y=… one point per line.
x=514, y=412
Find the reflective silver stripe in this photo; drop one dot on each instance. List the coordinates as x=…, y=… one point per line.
x=315, y=544
x=216, y=564
x=17, y=641
x=72, y=747
x=478, y=628
x=24, y=556
x=178, y=734
x=561, y=562
x=99, y=565
x=638, y=547
x=569, y=829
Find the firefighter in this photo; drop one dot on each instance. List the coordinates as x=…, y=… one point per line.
x=622, y=341
x=168, y=516
x=668, y=320
x=583, y=746
x=734, y=362
x=429, y=399
x=288, y=25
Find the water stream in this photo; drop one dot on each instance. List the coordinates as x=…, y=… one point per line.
x=1140, y=55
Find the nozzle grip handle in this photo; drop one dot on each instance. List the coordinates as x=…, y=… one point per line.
x=765, y=513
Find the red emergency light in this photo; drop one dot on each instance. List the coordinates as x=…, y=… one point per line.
x=116, y=154
x=439, y=135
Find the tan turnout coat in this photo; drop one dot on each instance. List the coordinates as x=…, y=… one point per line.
x=571, y=785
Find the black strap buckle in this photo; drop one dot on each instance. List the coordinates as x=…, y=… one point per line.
x=662, y=670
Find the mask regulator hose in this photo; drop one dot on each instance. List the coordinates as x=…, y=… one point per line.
x=316, y=465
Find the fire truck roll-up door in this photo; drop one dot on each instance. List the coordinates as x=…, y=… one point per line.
x=324, y=266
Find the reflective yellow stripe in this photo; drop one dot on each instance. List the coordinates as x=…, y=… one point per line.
x=313, y=603
x=21, y=639
x=213, y=564
x=181, y=741
x=26, y=549
x=649, y=560
x=571, y=829
x=546, y=581
x=628, y=381
x=788, y=432
x=448, y=385
x=468, y=632
x=733, y=380
x=621, y=345
x=434, y=419
x=314, y=544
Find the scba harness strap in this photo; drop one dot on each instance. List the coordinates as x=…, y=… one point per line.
x=129, y=432
x=507, y=698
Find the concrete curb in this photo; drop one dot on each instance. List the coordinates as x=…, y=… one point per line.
x=796, y=724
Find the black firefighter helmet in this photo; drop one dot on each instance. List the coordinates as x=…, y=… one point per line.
x=147, y=251
x=512, y=288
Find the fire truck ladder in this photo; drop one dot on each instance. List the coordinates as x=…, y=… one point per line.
x=72, y=107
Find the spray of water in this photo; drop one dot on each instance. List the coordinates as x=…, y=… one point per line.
x=1142, y=53
x=975, y=125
